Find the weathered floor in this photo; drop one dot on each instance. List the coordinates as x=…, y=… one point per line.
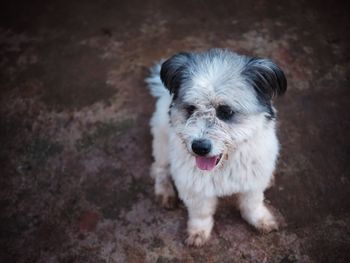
x=75, y=144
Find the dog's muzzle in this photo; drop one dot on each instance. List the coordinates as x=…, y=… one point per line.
x=202, y=148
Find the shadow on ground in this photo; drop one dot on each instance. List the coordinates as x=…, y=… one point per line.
x=75, y=143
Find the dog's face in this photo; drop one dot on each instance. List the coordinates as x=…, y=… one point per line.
x=220, y=99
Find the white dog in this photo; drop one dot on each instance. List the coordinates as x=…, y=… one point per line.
x=214, y=135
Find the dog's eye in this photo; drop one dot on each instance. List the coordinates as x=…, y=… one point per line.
x=224, y=112
x=190, y=109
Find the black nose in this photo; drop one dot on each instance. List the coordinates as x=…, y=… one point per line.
x=201, y=147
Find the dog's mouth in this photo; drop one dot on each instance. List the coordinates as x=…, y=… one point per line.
x=208, y=163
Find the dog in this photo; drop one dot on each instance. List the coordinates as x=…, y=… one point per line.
x=214, y=135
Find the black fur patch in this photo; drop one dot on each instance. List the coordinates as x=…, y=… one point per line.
x=271, y=115
x=169, y=109
x=267, y=79
x=174, y=71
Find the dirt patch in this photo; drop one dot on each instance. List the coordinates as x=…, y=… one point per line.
x=102, y=132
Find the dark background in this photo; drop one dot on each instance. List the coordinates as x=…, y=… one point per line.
x=75, y=147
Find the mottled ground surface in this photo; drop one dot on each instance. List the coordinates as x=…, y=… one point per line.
x=75, y=144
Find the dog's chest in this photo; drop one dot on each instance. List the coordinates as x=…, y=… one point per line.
x=240, y=173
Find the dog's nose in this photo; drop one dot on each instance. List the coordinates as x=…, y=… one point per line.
x=201, y=147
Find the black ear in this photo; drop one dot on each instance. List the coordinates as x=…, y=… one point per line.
x=174, y=71
x=266, y=77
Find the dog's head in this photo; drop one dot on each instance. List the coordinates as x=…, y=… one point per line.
x=220, y=99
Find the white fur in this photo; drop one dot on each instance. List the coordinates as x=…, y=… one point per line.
x=250, y=147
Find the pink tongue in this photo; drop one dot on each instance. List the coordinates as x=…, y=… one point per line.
x=205, y=163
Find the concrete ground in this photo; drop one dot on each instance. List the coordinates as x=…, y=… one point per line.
x=75, y=142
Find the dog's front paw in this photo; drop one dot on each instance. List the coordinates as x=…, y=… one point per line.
x=167, y=201
x=261, y=218
x=197, y=239
x=267, y=224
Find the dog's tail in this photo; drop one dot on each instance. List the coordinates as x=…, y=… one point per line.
x=154, y=82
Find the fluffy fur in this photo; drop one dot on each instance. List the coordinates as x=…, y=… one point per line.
x=222, y=101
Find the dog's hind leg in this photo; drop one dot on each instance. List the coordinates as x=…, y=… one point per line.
x=164, y=188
